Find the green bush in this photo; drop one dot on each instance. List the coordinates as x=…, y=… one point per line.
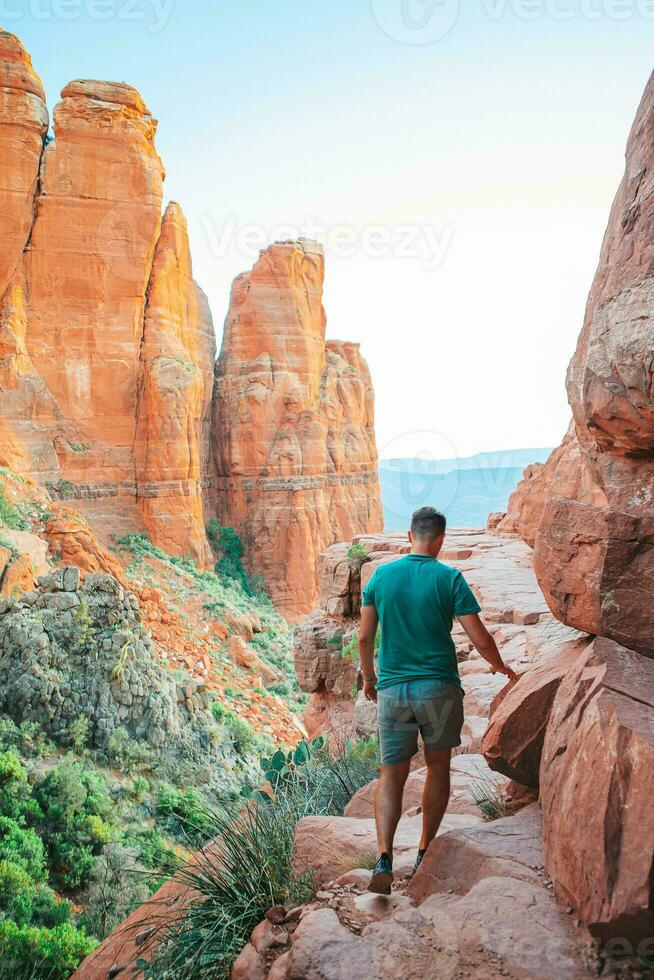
x=15, y=791
x=357, y=554
x=151, y=849
x=41, y=953
x=76, y=821
x=245, y=740
x=10, y=516
x=129, y=754
x=79, y=733
x=24, y=847
x=27, y=902
x=116, y=887
x=184, y=813
x=28, y=738
x=226, y=543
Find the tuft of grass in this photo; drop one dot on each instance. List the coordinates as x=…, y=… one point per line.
x=487, y=795
x=357, y=554
x=10, y=516
x=250, y=867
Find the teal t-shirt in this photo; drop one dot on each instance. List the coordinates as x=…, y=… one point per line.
x=417, y=598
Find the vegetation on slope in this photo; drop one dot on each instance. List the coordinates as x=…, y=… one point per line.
x=253, y=869
x=90, y=826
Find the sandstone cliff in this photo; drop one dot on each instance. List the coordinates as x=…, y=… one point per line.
x=107, y=352
x=106, y=343
x=178, y=352
x=589, y=512
x=580, y=728
x=294, y=439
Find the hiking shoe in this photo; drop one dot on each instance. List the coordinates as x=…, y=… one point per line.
x=382, y=876
x=418, y=861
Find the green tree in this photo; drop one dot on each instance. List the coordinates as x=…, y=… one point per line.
x=226, y=544
x=76, y=821
x=22, y=846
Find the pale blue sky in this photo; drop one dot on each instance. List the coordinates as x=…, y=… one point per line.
x=504, y=138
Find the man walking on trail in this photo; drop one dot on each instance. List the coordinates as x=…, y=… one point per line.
x=415, y=599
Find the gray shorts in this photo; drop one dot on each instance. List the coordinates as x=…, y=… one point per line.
x=431, y=707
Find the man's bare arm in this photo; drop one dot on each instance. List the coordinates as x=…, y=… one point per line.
x=367, y=633
x=486, y=645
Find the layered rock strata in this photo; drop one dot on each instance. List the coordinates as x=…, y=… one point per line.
x=107, y=352
x=106, y=343
x=178, y=352
x=294, y=429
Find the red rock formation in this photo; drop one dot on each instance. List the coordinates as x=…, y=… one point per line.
x=589, y=510
x=32, y=424
x=107, y=351
x=610, y=376
x=178, y=352
x=293, y=425
x=100, y=396
x=72, y=541
x=513, y=741
x=564, y=474
x=23, y=125
x=87, y=269
x=596, y=569
x=597, y=783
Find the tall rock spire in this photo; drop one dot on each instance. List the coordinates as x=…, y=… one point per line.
x=293, y=425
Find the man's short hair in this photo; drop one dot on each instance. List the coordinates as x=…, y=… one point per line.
x=428, y=523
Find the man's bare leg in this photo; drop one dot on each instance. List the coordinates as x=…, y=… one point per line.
x=436, y=793
x=388, y=810
x=388, y=804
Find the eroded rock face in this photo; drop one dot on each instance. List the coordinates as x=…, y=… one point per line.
x=610, y=376
x=178, y=352
x=597, y=781
x=87, y=269
x=565, y=474
x=293, y=425
x=105, y=396
x=591, y=560
x=23, y=125
x=513, y=741
x=595, y=567
x=73, y=542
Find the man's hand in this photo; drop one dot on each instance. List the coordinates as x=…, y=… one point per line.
x=508, y=672
x=369, y=689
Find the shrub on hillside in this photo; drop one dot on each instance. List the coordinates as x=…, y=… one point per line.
x=41, y=953
x=244, y=738
x=227, y=545
x=76, y=821
x=10, y=516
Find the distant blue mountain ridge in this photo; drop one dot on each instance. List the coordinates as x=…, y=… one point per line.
x=467, y=490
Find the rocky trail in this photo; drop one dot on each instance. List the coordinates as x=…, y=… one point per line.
x=482, y=903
